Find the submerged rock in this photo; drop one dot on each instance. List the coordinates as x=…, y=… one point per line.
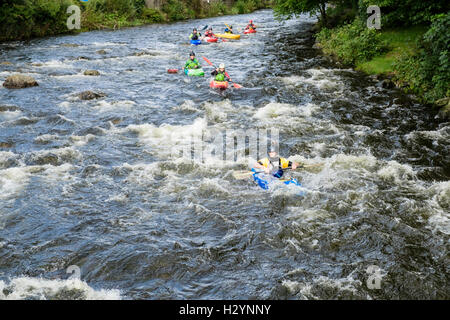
x=102, y=51
x=444, y=104
x=91, y=73
x=19, y=81
x=387, y=84
x=6, y=144
x=90, y=95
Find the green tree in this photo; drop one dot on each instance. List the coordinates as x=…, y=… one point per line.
x=285, y=9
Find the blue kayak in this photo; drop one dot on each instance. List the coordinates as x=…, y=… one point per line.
x=264, y=181
x=196, y=42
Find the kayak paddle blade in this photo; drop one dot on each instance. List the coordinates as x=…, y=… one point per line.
x=172, y=71
x=241, y=175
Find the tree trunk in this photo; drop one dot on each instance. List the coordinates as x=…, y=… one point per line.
x=323, y=12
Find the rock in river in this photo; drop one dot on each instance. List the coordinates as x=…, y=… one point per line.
x=19, y=81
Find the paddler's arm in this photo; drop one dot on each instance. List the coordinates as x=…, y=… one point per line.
x=258, y=165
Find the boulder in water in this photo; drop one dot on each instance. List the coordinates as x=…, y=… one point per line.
x=90, y=95
x=19, y=81
x=6, y=144
x=387, y=84
x=91, y=73
x=102, y=51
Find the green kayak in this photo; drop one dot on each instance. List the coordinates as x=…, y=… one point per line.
x=194, y=72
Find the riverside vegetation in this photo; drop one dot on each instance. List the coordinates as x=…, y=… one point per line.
x=411, y=48
x=24, y=19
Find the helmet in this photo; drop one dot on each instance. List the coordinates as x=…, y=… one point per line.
x=273, y=147
x=251, y=21
x=192, y=53
x=195, y=29
x=222, y=66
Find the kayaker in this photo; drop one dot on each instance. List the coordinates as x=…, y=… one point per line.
x=219, y=73
x=194, y=35
x=192, y=63
x=274, y=164
x=229, y=30
x=209, y=33
x=250, y=26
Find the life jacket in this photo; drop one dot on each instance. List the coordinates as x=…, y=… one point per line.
x=194, y=36
x=220, y=76
x=191, y=64
x=277, y=166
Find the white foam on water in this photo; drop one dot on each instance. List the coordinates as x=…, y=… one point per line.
x=213, y=187
x=274, y=110
x=57, y=64
x=13, y=181
x=42, y=289
x=46, y=138
x=440, y=205
x=165, y=137
x=58, y=173
x=10, y=115
x=82, y=140
x=68, y=153
x=292, y=80
x=105, y=105
x=187, y=105
x=397, y=172
x=5, y=156
x=218, y=111
x=141, y=173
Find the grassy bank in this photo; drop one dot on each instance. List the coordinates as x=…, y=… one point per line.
x=25, y=19
x=398, y=42
x=415, y=57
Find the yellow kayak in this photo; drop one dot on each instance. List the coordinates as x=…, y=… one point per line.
x=228, y=35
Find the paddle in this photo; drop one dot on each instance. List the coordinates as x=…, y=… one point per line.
x=237, y=86
x=243, y=174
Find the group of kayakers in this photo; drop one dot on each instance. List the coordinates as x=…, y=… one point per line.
x=219, y=73
x=273, y=164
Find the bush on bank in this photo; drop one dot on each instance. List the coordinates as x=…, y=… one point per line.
x=351, y=43
x=427, y=71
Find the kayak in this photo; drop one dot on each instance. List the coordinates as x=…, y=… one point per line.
x=249, y=31
x=194, y=72
x=196, y=42
x=228, y=36
x=266, y=181
x=218, y=84
x=211, y=39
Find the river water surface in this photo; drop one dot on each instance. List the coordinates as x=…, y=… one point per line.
x=91, y=183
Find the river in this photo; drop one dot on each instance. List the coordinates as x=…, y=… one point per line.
x=91, y=184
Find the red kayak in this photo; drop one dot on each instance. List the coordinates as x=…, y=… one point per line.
x=218, y=84
x=249, y=31
x=211, y=39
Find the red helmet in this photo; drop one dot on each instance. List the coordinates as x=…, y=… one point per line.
x=251, y=21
